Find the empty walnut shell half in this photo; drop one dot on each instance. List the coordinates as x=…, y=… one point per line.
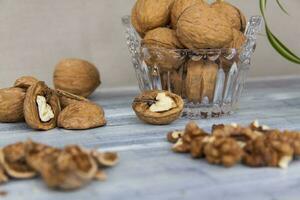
x=81, y=115
x=41, y=107
x=70, y=168
x=106, y=159
x=13, y=160
x=67, y=98
x=25, y=82
x=11, y=104
x=158, y=107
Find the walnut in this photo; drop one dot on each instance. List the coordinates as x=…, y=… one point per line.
x=25, y=82
x=290, y=137
x=106, y=159
x=201, y=27
x=174, y=136
x=198, y=144
x=162, y=44
x=66, y=98
x=201, y=80
x=69, y=168
x=158, y=107
x=13, y=160
x=191, y=133
x=241, y=134
x=223, y=151
x=81, y=115
x=256, y=126
x=179, y=7
x=231, y=13
x=181, y=147
x=41, y=107
x=11, y=104
x=150, y=14
x=76, y=76
x=267, y=151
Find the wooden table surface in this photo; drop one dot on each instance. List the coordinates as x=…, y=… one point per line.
x=149, y=170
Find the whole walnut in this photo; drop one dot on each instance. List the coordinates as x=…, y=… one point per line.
x=232, y=14
x=11, y=104
x=150, y=14
x=180, y=6
x=238, y=40
x=201, y=27
x=200, y=80
x=162, y=45
x=76, y=76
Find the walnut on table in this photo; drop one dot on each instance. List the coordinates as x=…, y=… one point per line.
x=191, y=132
x=239, y=133
x=223, y=151
x=268, y=151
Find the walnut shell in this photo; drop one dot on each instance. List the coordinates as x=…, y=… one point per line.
x=67, y=169
x=106, y=159
x=150, y=14
x=11, y=104
x=201, y=27
x=13, y=160
x=237, y=42
x=31, y=111
x=67, y=98
x=201, y=80
x=76, y=76
x=25, y=82
x=142, y=108
x=81, y=115
x=179, y=7
x=162, y=45
x=232, y=14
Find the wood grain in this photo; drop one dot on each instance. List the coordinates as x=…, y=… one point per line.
x=149, y=170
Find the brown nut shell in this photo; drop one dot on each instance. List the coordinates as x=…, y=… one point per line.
x=231, y=13
x=81, y=115
x=11, y=104
x=142, y=108
x=201, y=27
x=150, y=14
x=25, y=82
x=106, y=159
x=13, y=160
x=179, y=7
x=76, y=76
x=201, y=80
x=67, y=98
x=31, y=112
x=162, y=45
x=67, y=169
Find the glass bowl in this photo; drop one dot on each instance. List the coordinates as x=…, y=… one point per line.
x=209, y=80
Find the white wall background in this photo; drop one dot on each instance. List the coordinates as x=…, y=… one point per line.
x=36, y=34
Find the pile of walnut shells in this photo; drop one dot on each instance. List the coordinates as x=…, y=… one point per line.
x=69, y=168
x=167, y=26
x=44, y=108
x=227, y=145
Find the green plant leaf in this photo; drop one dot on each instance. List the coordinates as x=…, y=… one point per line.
x=281, y=7
x=275, y=42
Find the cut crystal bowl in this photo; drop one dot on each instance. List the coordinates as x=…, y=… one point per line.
x=205, y=97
